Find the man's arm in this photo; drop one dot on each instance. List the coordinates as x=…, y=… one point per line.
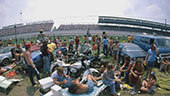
x=146, y=58
x=59, y=83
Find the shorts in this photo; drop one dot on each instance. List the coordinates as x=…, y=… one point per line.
x=90, y=84
x=7, y=68
x=151, y=89
x=115, y=52
x=150, y=64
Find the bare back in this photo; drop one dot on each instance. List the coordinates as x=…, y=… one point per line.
x=28, y=58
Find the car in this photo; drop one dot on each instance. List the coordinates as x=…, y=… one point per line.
x=5, y=55
x=130, y=49
x=162, y=43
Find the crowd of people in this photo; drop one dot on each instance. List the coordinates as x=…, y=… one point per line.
x=131, y=71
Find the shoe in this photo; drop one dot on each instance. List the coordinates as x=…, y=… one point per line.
x=133, y=93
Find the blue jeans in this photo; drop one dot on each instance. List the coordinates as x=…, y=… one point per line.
x=46, y=62
x=32, y=71
x=98, y=51
x=112, y=86
x=77, y=45
x=105, y=48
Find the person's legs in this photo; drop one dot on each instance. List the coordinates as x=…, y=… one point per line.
x=112, y=86
x=130, y=78
x=48, y=64
x=45, y=63
x=106, y=50
x=36, y=73
x=30, y=74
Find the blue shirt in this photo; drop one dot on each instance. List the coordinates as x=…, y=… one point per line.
x=56, y=76
x=152, y=55
x=105, y=41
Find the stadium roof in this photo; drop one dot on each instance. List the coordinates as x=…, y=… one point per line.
x=131, y=21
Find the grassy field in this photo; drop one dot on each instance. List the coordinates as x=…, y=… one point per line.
x=24, y=87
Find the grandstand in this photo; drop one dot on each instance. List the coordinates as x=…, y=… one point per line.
x=122, y=24
x=26, y=28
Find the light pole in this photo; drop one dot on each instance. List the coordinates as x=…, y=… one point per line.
x=15, y=27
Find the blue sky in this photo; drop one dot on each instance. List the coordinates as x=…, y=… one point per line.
x=81, y=11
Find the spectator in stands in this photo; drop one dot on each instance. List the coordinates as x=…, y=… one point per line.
x=41, y=36
x=151, y=59
x=71, y=42
x=148, y=85
x=105, y=46
x=60, y=78
x=77, y=42
x=108, y=78
x=30, y=65
x=135, y=75
x=98, y=46
x=165, y=64
x=45, y=53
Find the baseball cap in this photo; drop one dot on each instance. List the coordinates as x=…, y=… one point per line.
x=27, y=45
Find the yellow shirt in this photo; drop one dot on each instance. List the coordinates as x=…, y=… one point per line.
x=123, y=41
x=51, y=47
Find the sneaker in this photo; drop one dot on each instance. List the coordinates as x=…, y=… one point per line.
x=133, y=93
x=118, y=94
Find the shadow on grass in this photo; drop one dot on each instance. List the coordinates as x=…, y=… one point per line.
x=31, y=90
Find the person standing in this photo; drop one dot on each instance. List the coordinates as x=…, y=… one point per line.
x=41, y=36
x=105, y=46
x=77, y=42
x=45, y=52
x=98, y=46
x=30, y=65
x=151, y=59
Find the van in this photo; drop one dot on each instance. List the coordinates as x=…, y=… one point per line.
x=162, y=43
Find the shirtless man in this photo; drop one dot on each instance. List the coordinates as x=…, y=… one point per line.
x=30, y=65
x=78, y=88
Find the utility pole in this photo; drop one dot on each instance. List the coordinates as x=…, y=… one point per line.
x=15, y=27
x=165, y=24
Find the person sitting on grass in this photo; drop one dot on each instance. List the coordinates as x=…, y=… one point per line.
x=135, y=75
x=108, y=78
x=60, y=78
x=149, y=85
x=165, y=63
x=78, y=88
x=103, y=66
x=126, y=67
x=6, y=68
